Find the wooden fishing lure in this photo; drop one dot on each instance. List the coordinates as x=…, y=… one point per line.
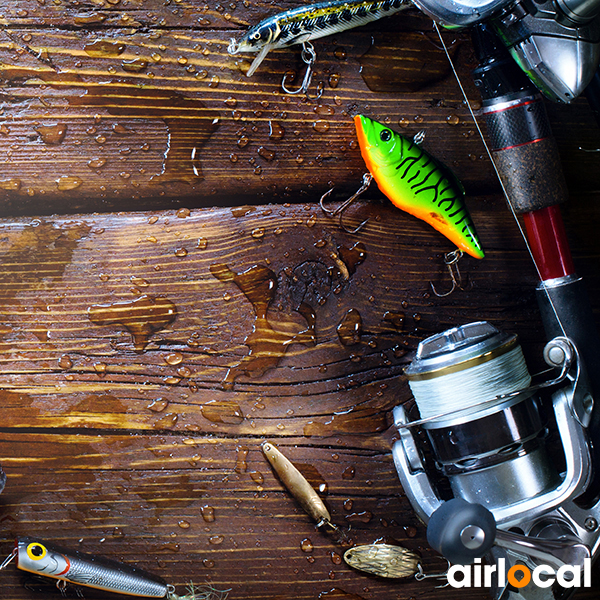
x=72, y=566
x=297, y=485
x=306, y=23
x=383, y=560
x=416, y=183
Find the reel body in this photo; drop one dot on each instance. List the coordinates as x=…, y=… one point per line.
x=555, y=42
x=487, y=434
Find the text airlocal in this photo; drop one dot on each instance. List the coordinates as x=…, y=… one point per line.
x=518, y=576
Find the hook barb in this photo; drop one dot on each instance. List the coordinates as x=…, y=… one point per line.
x=451, y=261
x=367, y=178
x=309, y=57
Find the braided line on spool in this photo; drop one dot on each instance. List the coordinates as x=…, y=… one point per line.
x=464, y=389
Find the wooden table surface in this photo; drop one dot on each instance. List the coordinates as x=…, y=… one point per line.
x=163, y=316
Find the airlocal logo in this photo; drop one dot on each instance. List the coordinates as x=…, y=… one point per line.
x=518, y=576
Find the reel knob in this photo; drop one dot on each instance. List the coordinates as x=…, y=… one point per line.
x=461, y=531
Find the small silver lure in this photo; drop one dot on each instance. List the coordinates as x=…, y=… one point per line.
x=305, y=23
x=72, y=566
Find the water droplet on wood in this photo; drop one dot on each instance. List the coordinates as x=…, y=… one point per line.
x=350, y=328
x=321, y=126
x=241, y=466
x=395, y=318
x=65, y=362
x=96, y=163
x=222, y=412
x=215, y=540
x=141, y=317
x=52, y=135
x=137, y=65
x=362, y=517
x=349, y=473
x=265, y=153
x=158, y=405
x=208, y=513
x=174, y=358
x=68, y=182
x=276, y=131
x=257, y=477
x=10, y=184
x=104, y=48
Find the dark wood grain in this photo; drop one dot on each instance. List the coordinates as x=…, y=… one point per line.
x=135, y=395
x=104, y=105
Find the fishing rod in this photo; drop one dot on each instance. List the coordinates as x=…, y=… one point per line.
x=498, y=440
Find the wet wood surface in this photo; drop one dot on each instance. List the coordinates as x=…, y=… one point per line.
x=148, y=353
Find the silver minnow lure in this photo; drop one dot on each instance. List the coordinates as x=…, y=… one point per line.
x=72, y=566
x=76, y=567
x=306, y=23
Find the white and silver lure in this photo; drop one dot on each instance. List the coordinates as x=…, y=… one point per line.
x=305, y=23
x=71, y=566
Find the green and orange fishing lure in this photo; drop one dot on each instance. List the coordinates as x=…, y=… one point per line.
x=416, y=183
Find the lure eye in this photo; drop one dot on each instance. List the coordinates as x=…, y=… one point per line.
x=385, y=135
x=36, y=551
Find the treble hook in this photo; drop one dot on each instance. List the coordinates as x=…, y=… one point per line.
x=367, y=178
x=451, y=261
x=309, y=56
x=421, y=575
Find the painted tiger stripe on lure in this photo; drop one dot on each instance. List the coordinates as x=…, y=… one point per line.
x=306, y=23
x=416, y=183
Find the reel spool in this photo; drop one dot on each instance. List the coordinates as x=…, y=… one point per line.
x=487, y=435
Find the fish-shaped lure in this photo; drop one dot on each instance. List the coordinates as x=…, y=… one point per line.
x=72, y=566
x=416, y=183
x=306, y=23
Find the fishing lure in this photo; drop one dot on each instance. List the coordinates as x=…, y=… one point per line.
x=390, y=561
x=416, y=183
x=383, y=560
x=298, y=486
x=72, y=566
x=304, y=23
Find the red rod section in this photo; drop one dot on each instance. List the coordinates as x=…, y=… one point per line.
x=548, y=242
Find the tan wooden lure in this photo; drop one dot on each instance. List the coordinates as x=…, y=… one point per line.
x=297, y=485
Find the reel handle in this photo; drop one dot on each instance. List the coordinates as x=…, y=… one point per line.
x=462, y=531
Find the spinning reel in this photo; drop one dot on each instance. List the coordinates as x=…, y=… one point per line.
x=556, y=42
x=498, y=464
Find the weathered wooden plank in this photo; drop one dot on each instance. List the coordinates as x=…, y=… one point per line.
x=127, y=438
x=129, y=117
x=220, y=307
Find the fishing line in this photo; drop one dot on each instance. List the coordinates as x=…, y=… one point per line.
x=504, y=190
x=436, y=393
